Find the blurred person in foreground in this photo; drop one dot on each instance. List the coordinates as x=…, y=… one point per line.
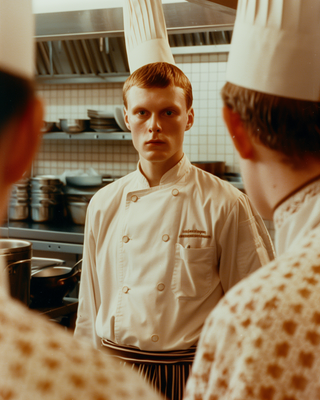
x=39, y=360
x=262, y=341
x=164, y=243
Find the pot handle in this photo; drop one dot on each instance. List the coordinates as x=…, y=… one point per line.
x=12, y=270
x=77, y=263
x=76, y=275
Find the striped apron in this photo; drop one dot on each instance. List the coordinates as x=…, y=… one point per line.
x=166, y=371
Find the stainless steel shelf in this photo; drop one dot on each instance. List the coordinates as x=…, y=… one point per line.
x=88, y=136
x=61, y=238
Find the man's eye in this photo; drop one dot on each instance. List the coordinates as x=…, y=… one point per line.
x=142, y=112
x=169, y=112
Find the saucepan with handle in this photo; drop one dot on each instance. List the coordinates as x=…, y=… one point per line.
x=51, y=284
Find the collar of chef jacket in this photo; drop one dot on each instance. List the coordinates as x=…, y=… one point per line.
x=173, y=175
x=296, y=217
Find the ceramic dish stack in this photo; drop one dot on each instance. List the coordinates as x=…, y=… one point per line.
x=102, y=122
x=47, y=199
x=19, y=201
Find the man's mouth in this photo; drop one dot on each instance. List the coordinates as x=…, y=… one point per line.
x=155, y=141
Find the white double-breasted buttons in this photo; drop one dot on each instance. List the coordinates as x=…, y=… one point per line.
x=165, y=238
x=154, y=338
x=125, y=289
x=125, y=239
x=175, y=192
x=161, y=287
x=134, y=198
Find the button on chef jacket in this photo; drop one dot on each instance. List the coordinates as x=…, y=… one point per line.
x=158, y=259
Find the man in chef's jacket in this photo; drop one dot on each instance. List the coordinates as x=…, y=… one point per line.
x=163, y=244
x=38, y=359
x=262, y=341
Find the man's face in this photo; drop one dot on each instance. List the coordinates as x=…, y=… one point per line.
x=157, y=119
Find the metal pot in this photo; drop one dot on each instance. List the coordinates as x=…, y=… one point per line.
x=46, y=183
x=214, y=167
x=42, y=212
x=16, y=255
x=18, y=210
x=51, y=284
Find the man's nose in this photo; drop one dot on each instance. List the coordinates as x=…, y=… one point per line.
x=155, y=125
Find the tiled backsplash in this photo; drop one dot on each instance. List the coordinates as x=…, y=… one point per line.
x=207, y=140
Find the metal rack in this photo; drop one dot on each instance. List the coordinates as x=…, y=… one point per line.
x=88, y=136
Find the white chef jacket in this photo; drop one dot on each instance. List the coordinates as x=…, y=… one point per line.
x=263, y=339
x=157, y=259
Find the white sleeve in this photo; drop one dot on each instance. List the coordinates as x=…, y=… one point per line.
x=245, y=244
x=89, y=294
x=145, y=33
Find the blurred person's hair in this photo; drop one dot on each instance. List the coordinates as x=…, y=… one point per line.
x=14, y=98
x=159, y=75
x=289, y=126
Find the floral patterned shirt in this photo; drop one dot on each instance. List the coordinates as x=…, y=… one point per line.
x=263, y=339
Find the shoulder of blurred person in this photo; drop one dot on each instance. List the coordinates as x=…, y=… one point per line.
x=262, y=340
x=39, y=360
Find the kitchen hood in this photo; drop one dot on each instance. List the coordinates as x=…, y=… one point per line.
x=88, y=45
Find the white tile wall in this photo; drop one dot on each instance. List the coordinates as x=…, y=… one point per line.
x=207, y=140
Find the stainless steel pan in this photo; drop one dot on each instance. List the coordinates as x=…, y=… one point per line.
x=93, y=180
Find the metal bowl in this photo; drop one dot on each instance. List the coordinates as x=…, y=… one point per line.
x=49, y=127
x=74, y=126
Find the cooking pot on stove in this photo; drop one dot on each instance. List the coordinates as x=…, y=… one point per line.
x=51, y=284
x=16, y=256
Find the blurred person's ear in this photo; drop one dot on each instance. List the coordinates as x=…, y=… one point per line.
x=23, y=142
x=239, y=134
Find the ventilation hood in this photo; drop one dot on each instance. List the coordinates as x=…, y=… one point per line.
x=88, y=45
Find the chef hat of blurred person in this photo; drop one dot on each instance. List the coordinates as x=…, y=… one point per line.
x=146, y=43
x=16, y=37
x=276, y=48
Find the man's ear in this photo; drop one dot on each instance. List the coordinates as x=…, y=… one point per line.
x=190, y=119
x=24, y=142
x=239, y=134
x=126, y=119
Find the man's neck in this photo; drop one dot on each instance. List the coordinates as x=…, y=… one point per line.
x=154, y=171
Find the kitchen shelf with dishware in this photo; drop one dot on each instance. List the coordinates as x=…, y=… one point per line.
x=100, y=126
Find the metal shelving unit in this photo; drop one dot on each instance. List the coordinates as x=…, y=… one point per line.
x=88, y=136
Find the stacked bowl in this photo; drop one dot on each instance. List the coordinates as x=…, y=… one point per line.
x=19, y=201
x=47, y=199
x=102, y=122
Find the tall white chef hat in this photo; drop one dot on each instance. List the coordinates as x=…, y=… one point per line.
x=276, y=48
x=145, y=33
x=16, y=37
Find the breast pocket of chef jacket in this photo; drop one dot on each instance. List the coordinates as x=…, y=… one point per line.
x=195, y=274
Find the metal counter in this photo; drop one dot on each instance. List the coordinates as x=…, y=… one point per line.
x=63, y=237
